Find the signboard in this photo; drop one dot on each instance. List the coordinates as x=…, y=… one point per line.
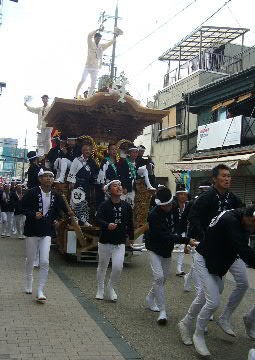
x=220, y=134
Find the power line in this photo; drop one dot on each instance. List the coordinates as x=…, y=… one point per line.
x=157, y=28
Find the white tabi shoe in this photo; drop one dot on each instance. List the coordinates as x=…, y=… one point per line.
x=162, y=319
x=249, y=327
x=186, y=286
x=251, y=355
x=226, y=327
x=100, y=294
x=41, y=298
x=87, y=224
x=151, y=188
x=8, y=235
x=200, y=345
x=151, y=305
x=186, y=333
x=111, y=294
x=3, y=234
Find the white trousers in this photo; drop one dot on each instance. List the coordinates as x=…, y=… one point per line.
x=32, y=245
x=20, y=221
x=239, y=273
x=61, y=165
x=208, y=297
x=7, y=222
x=192, y=276
x=44, y=141
x=105, y=253
x=93, y=73
x=160, y=271
x=180, y=258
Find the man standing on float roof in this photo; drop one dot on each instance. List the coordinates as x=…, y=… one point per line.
x=94, y=58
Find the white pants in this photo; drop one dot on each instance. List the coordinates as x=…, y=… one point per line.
x=61, y=165
x=160, y=271
x=20, y=221
x=180, y=259
x=239, y=273
x=192, y=274
x=208, y=297
x=7, y=222
x=32, y=245
x=105, y=253
x=44, y=141
x=93, y=73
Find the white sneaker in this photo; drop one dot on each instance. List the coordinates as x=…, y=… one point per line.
x=185, y=332
x=226, y=326
x=87, y=224
x=249, y=327
x=162, y=319
x=251, y=355
x=186, y=285
x=3, y=234
x=200, y=345
x=100, y=294
x=151, y=305
x=41, y=298
x=112, y=296
x=8, y=235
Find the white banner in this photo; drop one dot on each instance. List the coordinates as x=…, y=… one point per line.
x=221, y=133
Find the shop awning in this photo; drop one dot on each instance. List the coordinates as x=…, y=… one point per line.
x=208, y=164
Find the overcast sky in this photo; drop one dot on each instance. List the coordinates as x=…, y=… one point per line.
x=43, y=47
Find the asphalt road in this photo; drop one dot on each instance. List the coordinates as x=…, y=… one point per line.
x=138, y=326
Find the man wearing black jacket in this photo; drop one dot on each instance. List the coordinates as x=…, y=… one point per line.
x=115, y=218
x=42, y=207
x=159, y=241
x=227, y=238
x=208, y=205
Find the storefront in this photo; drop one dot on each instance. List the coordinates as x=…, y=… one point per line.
x=242, y=169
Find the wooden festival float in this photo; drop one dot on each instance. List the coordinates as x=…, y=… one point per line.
x=102, y=119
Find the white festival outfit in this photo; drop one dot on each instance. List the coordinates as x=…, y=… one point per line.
x=93, y=62
x=112, y=243
x=225, y=239
x=159, y=241
x=38, y=232
x=44, y=137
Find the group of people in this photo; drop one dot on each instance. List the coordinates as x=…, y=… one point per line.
x=11, y=216
x=216, y=227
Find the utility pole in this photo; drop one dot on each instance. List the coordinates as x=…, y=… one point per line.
x=113, y=75
x=24, y=154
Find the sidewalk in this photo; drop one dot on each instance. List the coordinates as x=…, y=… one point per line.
x=58, y=330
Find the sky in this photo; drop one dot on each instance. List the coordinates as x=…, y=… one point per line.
x=43, y=47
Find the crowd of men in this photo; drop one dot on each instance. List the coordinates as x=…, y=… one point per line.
x=214, y=227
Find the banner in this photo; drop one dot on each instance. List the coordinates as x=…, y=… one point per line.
x=221, y=133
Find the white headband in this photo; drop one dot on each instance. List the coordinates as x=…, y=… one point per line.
x=182, y=191
x=45, y=172
x=204, y=186
x=158, y=202
x=106, y=187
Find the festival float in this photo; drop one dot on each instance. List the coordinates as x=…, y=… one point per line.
x=108, y=116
